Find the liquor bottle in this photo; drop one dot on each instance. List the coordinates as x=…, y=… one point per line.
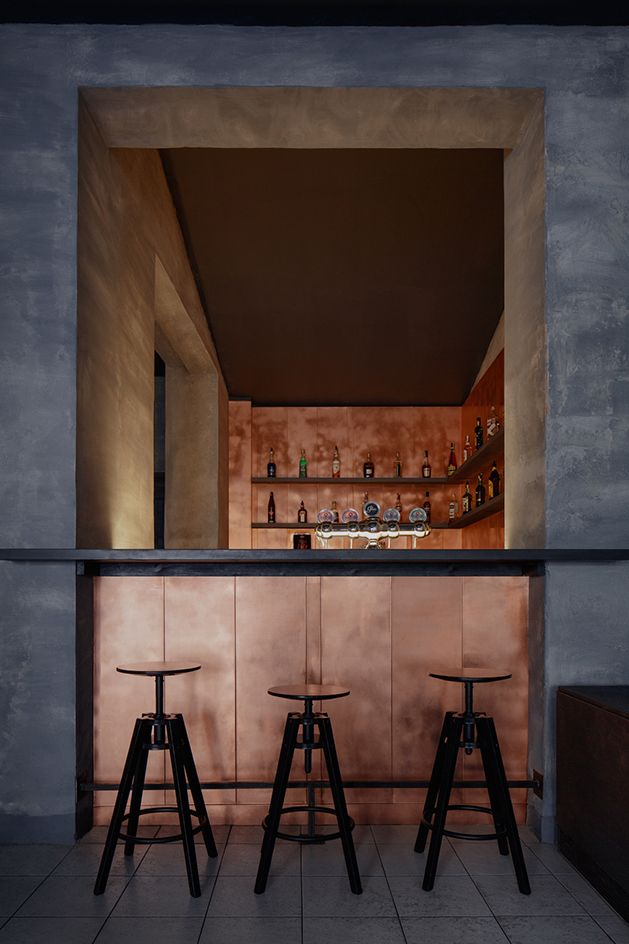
x=452, y=508
x=303, y=465
x=478, y=433
x=335, y=512
x=336, y=464
x=271, y=468
x=467, y=449
x=467, y=499
x=426, y=469
x=302, y=514
x=368, y=467
x=494, y=481
x=492, y=423
x=480, y=491
x=270, y=511
x=398, y=504
x=397, y=466
x=452, y=460
x=365, y=500
x=427, y=507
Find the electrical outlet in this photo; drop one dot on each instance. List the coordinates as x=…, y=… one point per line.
x=538, y=789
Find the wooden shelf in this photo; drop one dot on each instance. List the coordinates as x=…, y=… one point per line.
x=491, y=507
x=294, y=526
x=480, y=461
x=392, y=481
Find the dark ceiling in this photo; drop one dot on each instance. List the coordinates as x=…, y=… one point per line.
x=345, y=276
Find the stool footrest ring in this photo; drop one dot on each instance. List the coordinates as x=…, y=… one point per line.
x=144, y=840
x=474, y=837
x=317, y=838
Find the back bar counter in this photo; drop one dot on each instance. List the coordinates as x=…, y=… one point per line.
x=375, y=621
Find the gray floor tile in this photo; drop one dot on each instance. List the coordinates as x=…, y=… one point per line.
x=453, y=931
x=30, y=859
x=150, y=930
x=454, y=895
x=360, y=833
x=328, y=860
x=255, y=834
x=352, y=931
x=220, y=833
x=170, y=860
x=244, y=859
x=14, y=890
x=62, y=896
x=99, y=834
x=251, y=931
x=234, y=898
x=156, y=896
x=483, y=858
x=50, y=930
x=585, y=894
x=332, y=897
x=615, y=927
x=552, y=858
x=565, y=930
x=407, y=834
x=528, y=836
x=401, y=859
x=84, y=859
x=548, y=897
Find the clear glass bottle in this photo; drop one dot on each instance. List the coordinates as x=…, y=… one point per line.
x=467, y=449
x=452, y=466
x=302, y=514
x=426, y=467
x=303, y=465
x=336, y=464
x=335, y=512
x=453, y=508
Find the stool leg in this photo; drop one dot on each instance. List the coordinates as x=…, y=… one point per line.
x=433, y=787
x=136, y=797
x=338, y=795
x=445, y=787
x=141, y=730
x=173, y=728
x=494, y=769
x=493, y=788
x=197, y=793
x=291, y=729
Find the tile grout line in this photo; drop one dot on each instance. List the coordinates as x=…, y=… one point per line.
x=386, y=878
x=218, y=872
x=604, y=930
x=479, y=890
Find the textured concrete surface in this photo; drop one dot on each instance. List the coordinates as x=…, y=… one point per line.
x=585, y=76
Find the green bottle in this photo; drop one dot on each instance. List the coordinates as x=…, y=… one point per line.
x=303, y=465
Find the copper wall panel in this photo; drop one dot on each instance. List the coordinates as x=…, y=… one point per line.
x=128, y=627
x=240, y=510
x=495, y=620
x=200, y=625
x=302, y=434
x=488, y=392
x=269, y=430
x=333, y=429
x=270, y=650
x=426, y=633
x=356, y=651
x=486, y=533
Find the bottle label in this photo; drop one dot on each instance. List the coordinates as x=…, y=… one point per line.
x=336, y=468
x=426, y=471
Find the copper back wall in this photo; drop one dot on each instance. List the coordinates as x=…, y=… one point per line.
x=379, y=636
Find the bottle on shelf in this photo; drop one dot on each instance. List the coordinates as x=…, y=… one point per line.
x=427, y=506
x=467, y=449
x=453, y=508
x=365, y=500
x=426, y=467
x=478, y=433
x=494, y=481
x=398, y=504
x=397, y=466
x=493, y=424
x=467, y=500
x=336, y=464
x=452, y=460
x=335, y=512
x=302, y=514
x=368, y=467
x=303, y=465
x=270, y=510
x=271, y=468
x=480, y=491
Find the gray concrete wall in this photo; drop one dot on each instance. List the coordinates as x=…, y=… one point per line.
x=584, y=73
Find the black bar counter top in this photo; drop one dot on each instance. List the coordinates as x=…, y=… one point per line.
x=149, y=562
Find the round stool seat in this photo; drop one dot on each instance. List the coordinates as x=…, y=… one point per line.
x=471, y=675
x=309, y=692
x=158, y=668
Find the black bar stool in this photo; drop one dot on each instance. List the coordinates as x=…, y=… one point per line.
x=468, y=730
x=308, y=720
x=158, y=732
